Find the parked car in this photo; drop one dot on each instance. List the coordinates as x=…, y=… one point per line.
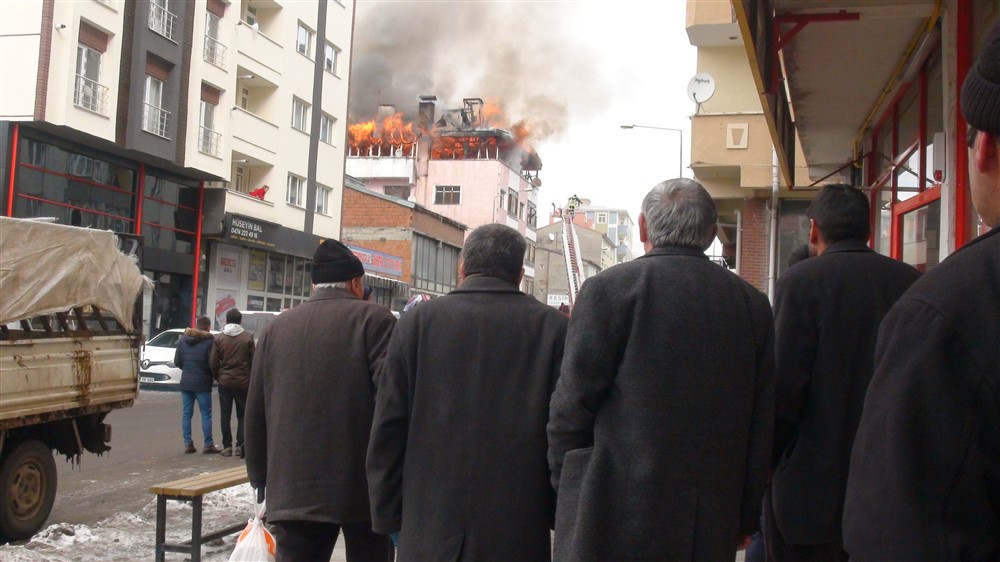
x=156, y=366
x=254, y=322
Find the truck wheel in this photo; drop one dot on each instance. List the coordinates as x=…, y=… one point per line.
x=27, y=489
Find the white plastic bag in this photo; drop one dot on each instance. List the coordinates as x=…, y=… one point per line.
x=256, y=544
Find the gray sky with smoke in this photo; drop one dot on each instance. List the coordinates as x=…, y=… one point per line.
x=576, y=69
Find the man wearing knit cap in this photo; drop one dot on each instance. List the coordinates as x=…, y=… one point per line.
x=309, y=413
x=924, y=480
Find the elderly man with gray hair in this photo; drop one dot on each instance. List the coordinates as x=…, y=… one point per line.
x=661, y=423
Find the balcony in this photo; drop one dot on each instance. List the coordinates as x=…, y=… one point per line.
x=162, y=21
x=254, y=136
x=90, y=95
x=155, y=120
x=215, y=52
x=259, y=54
x=209, y=142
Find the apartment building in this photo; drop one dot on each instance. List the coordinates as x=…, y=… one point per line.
x=406, y=248
x=732, y=154
x=597, y=252
x=158, y=117
x=459, y=166
x=614, y=222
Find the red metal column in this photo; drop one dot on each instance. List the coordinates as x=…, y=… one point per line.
x=139, y=198
x=13, y=167
x=197, y=254
x=963, y=63
x=922, y=136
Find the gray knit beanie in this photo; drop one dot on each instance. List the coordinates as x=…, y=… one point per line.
x=981, y=91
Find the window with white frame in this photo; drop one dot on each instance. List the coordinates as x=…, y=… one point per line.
x=89, y=93
x=326, y=124
x=300, y=114
x=215, y=51
x=323, y=199
x=303, y=40
x=331, y=55
x=154, y=117
x=295, y=195
x=209, y=140
x=161, y=19
x=602, y=218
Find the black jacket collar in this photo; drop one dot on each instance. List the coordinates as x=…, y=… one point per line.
x=848, y=246
x=484, y=284
x=676, y=251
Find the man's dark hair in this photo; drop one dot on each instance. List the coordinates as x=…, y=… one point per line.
x=203, y=321
x=494, y=250
x=841, y=213
x=234, y=316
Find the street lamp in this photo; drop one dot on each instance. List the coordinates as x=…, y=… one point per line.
x=680, y=144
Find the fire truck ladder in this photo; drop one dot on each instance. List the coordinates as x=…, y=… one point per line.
x=571, y=245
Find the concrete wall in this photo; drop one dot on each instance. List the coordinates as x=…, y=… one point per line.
x=20, y=32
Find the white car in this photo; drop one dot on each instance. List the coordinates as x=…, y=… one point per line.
x=156, y=363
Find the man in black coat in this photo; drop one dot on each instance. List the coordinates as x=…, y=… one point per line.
x=456, y=461
x=827, y=313
x=925, y=470
x=309, y=414
x=661, y=423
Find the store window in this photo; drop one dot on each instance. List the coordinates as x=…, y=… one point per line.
x=169, y=215
x=73, y=187
x=277, y=281
x=905, y=187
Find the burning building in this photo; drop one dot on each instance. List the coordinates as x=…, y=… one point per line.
x=467, y=165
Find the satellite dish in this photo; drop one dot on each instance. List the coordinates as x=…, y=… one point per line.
x=701, y=88
x=552, y=237
x=536, y=181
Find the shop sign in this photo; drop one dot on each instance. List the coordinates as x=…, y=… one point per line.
x=249, y=231
x=377, y=262
x=228, y=271
x=255, y=303
x=556, y=300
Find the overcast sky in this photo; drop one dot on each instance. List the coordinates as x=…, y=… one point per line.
x=581, y=68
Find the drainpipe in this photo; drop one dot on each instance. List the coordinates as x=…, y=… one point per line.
x=739, y=239
x=772, y=261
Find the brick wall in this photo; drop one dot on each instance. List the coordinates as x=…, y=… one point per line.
x=377, y=224
x=754, y=253
x=362, y=209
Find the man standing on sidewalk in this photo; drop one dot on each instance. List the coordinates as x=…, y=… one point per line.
x=231, y=357
x=925, y=470
x=309, y=414
x=456, y=462
x=661, y=422
x=827, y=313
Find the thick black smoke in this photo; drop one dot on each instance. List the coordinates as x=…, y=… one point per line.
x=521, y=55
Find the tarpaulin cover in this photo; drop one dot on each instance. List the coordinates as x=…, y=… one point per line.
x=47, y=268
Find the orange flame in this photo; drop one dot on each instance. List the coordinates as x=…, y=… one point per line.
x=368, y=137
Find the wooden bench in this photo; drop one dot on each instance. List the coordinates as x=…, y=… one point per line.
x=192, y=490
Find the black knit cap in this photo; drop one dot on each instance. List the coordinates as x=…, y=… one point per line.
x=334, y=262
x=981, y=91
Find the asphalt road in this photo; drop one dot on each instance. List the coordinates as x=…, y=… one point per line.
x=146, y=449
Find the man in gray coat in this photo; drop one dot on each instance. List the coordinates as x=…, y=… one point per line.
x=661, y=423
x=827, y=313
x=456, y=461
x=309, y=414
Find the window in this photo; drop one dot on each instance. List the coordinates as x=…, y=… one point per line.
x=512, y=203
x=532, y=214
x=89, y=93
x=215, y=52
x=520, y=211
x=296, y=191
x=250, y=16
x=326, y=128
x=447, y=195
x=244, y=98
x=401, y=191
x=300, y=114
x=529, y=253
x=602, y=218
x=323, y=200
x=161, y=20
x=503, y=199
x=240, y=179
x=154, y=117
x=209, y=140
x=435, y=265
x=303, y=40
x=330, y=59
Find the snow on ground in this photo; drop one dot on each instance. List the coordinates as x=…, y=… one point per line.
x=130, y=536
